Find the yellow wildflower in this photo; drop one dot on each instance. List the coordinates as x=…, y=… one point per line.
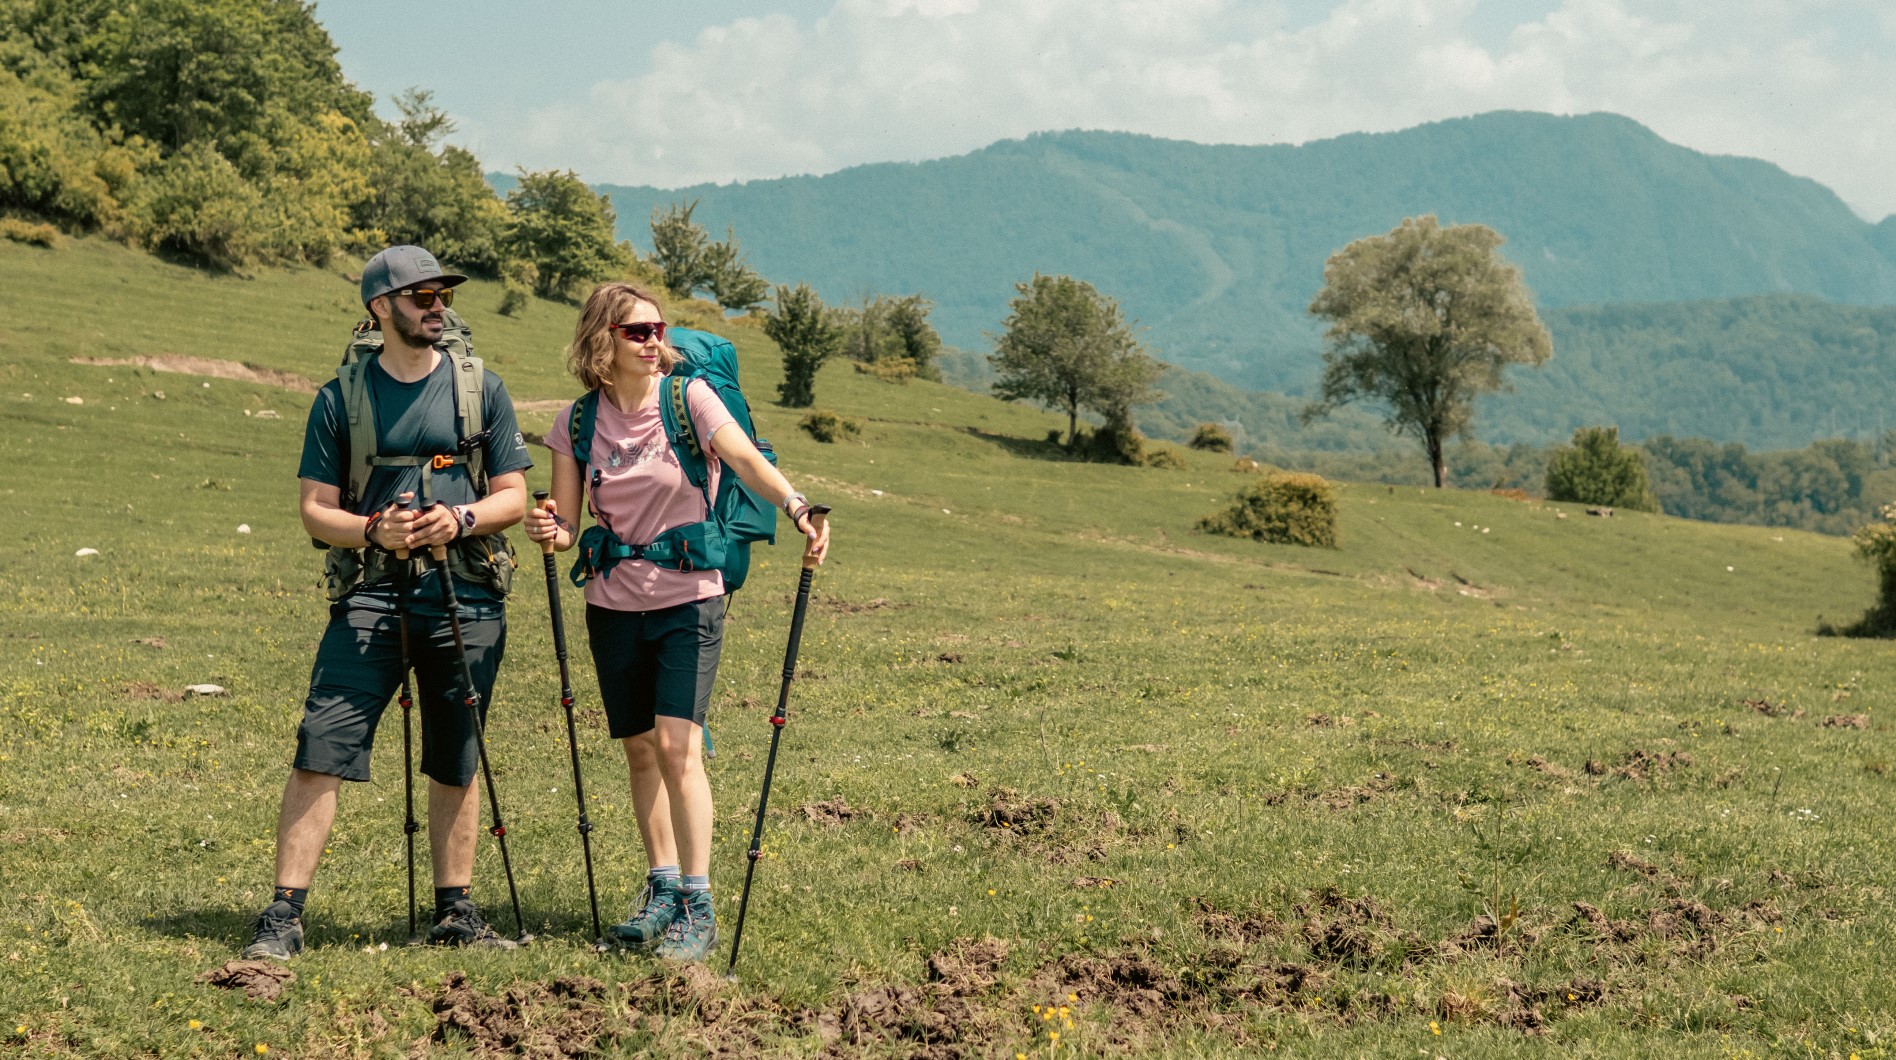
x=195, y=1025
x=1434, y=1027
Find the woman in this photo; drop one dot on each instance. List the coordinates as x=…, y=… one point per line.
x=655, y=632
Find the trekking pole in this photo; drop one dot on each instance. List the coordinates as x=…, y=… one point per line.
x=473, y=701
x=404, y=583
x=777, y=722
x=572, y=733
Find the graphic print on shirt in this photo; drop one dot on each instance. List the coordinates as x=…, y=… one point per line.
x=632, y=454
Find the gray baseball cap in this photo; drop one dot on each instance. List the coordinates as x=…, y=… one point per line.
x=401, y=267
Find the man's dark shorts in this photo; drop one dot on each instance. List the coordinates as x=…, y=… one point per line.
x=358, y=670
x=655, y=662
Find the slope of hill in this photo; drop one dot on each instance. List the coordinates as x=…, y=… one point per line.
x=1771, y=371
x=1315, y=798
x=1218, y=249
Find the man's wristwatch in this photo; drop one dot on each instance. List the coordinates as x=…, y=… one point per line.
x=464, y=516
x=794, y=503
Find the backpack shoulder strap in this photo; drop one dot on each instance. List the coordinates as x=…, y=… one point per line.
x=675, y=411
x=470, y=375
x=579, y=427
x=362, y=447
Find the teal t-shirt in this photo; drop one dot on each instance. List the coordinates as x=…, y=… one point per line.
x=414, y=419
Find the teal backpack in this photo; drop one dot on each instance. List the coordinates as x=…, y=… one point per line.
x=739, y=517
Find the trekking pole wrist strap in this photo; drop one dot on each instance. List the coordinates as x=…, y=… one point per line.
x=368, y=528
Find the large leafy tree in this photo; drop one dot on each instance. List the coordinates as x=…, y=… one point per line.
x=1067, y=347
x=563, y=230
x=1424, y=319
x=806, y=330
x=429, y=193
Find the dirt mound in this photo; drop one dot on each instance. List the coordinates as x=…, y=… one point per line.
x=840, y=606
x=832, y=813
x=259, y=980
x=564, y=1017
x=1639, y=763
x=1847, y=721
x=1245, y=928
x=206, y=366
x=1356, y=932
x=1024, y=814
x=147, y=690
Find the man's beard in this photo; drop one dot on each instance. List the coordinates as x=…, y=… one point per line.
x=412, y=333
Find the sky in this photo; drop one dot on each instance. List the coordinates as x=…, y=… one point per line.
x=673, y=92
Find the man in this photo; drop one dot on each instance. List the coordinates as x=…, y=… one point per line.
x=359, y=505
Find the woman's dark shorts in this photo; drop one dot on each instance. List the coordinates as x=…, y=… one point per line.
x=655, y=662
x=359, y=667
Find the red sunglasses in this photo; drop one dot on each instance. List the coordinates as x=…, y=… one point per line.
x=641, y=332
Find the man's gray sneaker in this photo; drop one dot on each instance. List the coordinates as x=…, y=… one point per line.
x=661, y=904
x=694, y=934
x=278, y=936
x=461, y=924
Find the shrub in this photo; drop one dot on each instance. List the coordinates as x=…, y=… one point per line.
x=888, y=369
x=1596, y=470
x=1246, y=465
x=39, y=235
x=1165, y=458
x=197, y=205
x=1875, y=543
x=1212, y=438
x=826, y=426
x=1282, y=508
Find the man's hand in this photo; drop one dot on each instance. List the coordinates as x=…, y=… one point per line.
x=431, y=527
x=397, y=521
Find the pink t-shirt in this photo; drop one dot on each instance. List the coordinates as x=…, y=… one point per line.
x=643, y=492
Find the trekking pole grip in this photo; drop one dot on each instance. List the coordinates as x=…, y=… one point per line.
x=539, y=502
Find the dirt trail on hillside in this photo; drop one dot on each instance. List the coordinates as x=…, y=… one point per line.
x=208, y=366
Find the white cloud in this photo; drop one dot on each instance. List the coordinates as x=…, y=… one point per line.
x=881, y=80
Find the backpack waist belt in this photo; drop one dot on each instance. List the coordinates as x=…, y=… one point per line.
x=694, y=546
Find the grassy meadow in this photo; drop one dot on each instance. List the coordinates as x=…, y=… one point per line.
x=1492, y=779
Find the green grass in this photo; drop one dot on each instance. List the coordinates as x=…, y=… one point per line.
x=1229, y=731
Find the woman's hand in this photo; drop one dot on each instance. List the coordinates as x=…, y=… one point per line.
x=544, y=525
x=816, y=532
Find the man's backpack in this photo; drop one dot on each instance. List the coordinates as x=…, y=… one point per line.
x=738, y=517
x=476, y=559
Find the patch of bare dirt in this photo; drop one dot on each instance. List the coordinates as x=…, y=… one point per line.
x=206, y=366
x=1542, y=765
x=259, y=980
x=1847, y=721
x=1640, y=764
x=147, y=690
x=1356, y=932
x=965, y=780
x=566, y=1017
x=1773, y=710
x=1251, y=927
x=1022, y=814
x=834, y=812
x=151, y=642
x=906, y=823
x=838, y=605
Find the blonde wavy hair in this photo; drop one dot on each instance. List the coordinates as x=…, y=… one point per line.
x=590, y=355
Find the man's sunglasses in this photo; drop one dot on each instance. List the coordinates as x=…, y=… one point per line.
x=425, y=299
x=642, y=331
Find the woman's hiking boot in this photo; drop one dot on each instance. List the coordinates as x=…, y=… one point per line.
x=660, y=906
x=461, y=924
x=278, y=934
x=694, y=934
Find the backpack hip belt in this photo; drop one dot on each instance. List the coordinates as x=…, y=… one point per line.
x=479, y=559
x=692, y=547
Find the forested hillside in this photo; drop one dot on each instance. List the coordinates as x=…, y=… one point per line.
x=1772, y=371
x=1218, y=249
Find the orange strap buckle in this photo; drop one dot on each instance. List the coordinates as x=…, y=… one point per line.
x=443, y=461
